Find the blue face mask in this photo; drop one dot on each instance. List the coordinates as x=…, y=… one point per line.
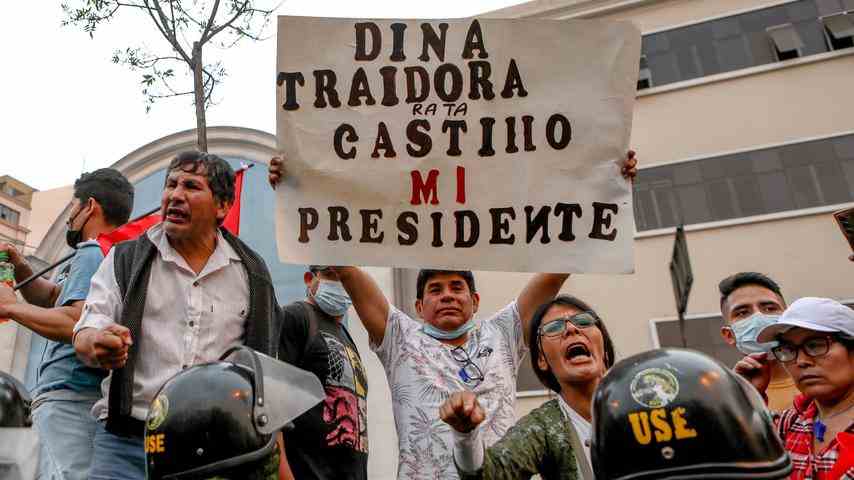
x=747, y=330
x=440, y=334
x=332, y=298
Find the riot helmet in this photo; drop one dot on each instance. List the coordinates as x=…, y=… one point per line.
x=219, y=419
x=19, y=443
x=14, y=403
x=679, y=414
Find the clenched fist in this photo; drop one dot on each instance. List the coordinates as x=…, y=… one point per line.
x=110, y=346
x=462, y=412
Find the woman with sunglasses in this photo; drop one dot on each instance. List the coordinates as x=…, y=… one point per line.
x=570, y=352
x=815, y=344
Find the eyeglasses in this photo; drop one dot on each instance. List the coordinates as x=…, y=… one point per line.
x=558, y=326
x=470, y=373
x=814, y=347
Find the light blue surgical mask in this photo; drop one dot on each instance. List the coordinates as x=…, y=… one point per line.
x=332, y=298
x=747, y=330
x=440, y=334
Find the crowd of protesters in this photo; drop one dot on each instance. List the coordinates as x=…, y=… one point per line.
x=157, y=309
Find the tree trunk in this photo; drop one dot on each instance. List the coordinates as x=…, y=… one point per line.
x=199, y=94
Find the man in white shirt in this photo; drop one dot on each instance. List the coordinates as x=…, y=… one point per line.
x=180, y=295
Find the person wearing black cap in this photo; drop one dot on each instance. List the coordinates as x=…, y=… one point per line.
x=330, y=441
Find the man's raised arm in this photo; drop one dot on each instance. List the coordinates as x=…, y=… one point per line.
x=368, y=300
x=539, y=290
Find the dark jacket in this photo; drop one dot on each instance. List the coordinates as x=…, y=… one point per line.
x=133, y=261
x=537, y=444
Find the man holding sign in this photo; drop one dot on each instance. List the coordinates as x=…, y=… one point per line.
x=450, y=146
x=448, y=351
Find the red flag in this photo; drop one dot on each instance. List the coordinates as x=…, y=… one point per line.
x=128, y=231
x=137, y=227
x=232, y=219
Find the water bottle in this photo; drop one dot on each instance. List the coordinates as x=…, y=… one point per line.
x=7, y=274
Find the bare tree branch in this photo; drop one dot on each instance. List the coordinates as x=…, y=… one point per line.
x=169, y=35
x=240, y=11
x=204, y=38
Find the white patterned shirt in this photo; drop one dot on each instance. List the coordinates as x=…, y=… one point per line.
x=189, y=319
x=422, y=372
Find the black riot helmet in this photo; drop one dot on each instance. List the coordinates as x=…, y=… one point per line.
x=678, y=414
x=14, y=403
x=218, y=420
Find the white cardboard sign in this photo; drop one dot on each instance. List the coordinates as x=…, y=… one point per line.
x=466, y=144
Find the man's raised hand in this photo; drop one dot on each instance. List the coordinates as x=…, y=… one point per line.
x=755, y=369
x=462, y=412
x=276, y=171
x=630, y=166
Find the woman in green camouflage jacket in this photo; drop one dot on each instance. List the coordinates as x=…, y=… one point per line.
x=570, y=352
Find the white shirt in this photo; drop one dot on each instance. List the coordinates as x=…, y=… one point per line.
x=189, y=319
x=582, y=428
x=422, y=374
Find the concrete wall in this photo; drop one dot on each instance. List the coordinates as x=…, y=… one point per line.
x=747, y=109
x=46, y=207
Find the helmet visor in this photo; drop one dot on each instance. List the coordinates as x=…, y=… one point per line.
x=282, y=391
x=19, y=459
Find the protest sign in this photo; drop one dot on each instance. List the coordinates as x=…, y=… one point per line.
x=477, y=143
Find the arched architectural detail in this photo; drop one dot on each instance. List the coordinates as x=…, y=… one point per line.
x=245, y=143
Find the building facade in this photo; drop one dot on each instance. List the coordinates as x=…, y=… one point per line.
x=744, y=129
x=15, y=204
x=744, y=133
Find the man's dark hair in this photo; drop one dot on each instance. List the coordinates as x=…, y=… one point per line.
x=425, y=275
x=546, y=377
x=111, y=190
x=218, y=172
x=741, y=279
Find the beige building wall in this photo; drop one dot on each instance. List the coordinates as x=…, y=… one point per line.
x=735, y=111
x=46, y=207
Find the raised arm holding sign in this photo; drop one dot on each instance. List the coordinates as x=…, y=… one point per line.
x=451, y=145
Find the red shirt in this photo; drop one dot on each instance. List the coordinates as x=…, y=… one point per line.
x=795, y=427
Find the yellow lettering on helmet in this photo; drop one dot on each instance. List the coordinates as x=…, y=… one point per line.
x=155, y=443
x=681, y=425
x=640, y=427
x=663, y=432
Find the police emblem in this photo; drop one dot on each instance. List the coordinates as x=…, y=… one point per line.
x=157, y=413
x=654, y=387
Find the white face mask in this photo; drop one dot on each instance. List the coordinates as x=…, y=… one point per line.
x=746, y=331
x=332, y=298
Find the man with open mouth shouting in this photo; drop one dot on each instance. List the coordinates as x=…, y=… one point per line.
x=179, y=295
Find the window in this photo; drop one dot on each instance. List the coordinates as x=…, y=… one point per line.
x=839, y=30
x=644, y=75
x=786, y=41
x=702, y=333
x=778, y=179
x=759, y=37
x=9, y=215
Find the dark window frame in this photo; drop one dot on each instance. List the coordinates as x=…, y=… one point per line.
x=728, y=187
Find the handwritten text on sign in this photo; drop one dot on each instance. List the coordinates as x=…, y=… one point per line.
x=483, y=144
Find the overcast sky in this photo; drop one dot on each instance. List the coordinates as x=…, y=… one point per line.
x=67, y=109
